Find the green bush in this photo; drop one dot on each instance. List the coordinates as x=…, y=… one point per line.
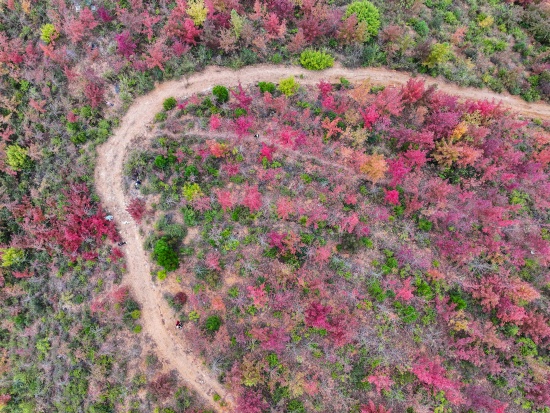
x=375, y=289
x=366, y=12
x=17, y=157
x=12, y=256
x=295, y=406
x=440, y=53
x=528, y=347
x=221, y=93
x=267, y=87
x=288, y=86
x=165, y=255
x=420, y=26
x=424, y=224
x=48, y=33
x=161, y=116
x=169, y=103
x=450, y=18
x=213, y=324
x=316, y=60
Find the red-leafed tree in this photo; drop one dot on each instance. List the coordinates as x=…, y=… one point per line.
x=137, y=210
x=267, y=152
x=251, y=402
x=242, y=98
x=77, y=28
x=125, y=46
x=180, y=298
x=163, y=386
x=274, y=27
x=212, y=261
x=322, y=254
x=535, y=326
x=370, y=115
x=372, y=408
x=540, y=394
x=391, y=196
x=349, y=223
x=225, y=199
x=252, y=198
x=258, y=295
x=285, y=208
x=389, y=101
x=325, y=88
x=405, y=293
x=431, y=373
x=276, y=340
x=413, y=90
x=118, y=295
x=331, y=127
x=94, y=93
x=155, y=56
x=316, y=315
x=242, y=125
x=215, y=122
x=380, y=382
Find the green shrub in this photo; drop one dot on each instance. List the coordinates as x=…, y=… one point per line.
x=161, y=162
x=527, y=347
x=456, y=297
x=288, y=86
x=191, y=191
x=407, y=313
x=424, y=224
x=316, y=60
x=197, y=11
x=213, y=324
x=48, y=33
x=295, y=406
x=420, y=26
x=237, y=113
x=161, y=116
x=17, y=157
x=366, y=12
x=450, y=18
x=375, y=289
x=221, y=93
x=165, y=255
x=169, y=103
x=440, y=53
x=267, y=87
x=11, y=256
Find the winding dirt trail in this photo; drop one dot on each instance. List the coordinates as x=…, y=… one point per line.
x=157, y=319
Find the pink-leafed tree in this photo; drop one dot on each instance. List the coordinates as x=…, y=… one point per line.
x=316, y=315
x=252, y=198
x=251, y=402
x=372, y=408
x=137, y=209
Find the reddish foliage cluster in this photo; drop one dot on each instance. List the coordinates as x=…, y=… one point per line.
x=163, y=386
x=76, y=230
x=137, y=210
x=180, y=298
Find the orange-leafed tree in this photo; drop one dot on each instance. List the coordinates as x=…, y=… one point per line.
x=375, y=168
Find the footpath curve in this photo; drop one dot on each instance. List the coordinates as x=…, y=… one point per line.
x=157, y=319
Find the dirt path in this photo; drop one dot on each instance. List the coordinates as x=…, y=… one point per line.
x=157, y=316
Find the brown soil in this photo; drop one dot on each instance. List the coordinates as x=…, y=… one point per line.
x=157, y=319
